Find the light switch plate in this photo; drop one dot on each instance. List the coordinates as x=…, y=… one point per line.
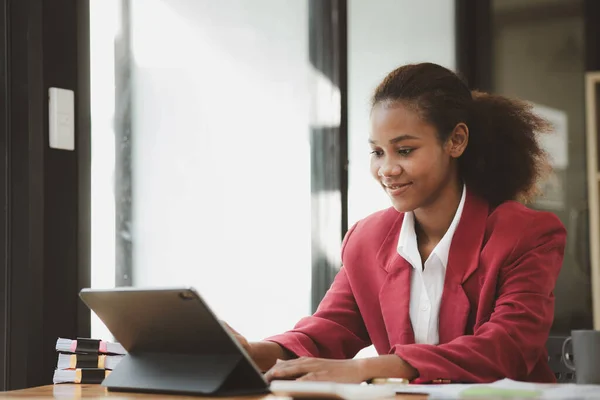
x=61, y=118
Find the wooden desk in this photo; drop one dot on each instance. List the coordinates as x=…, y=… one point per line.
x=97, y=391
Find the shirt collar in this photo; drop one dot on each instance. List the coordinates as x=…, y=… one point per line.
x=407, y=241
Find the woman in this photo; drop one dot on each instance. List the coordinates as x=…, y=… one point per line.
x=455, y=281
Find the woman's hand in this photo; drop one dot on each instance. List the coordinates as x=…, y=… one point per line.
x=343, y=371
x=318, y=369
x=241, y=340
x=263, y=353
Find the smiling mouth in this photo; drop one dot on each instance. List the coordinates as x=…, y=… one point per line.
x=395, y=186
x=396, y=190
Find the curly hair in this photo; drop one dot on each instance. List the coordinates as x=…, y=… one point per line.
x=503, y=159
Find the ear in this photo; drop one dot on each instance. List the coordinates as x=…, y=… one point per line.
x=457, y=141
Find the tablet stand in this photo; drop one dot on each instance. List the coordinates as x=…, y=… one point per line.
x=215, y=375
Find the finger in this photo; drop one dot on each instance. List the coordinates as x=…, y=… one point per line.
x=296, y=361
x=313, y=376
x=291, y=369
x=286, y=372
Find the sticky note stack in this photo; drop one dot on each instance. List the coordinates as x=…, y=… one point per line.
x=86, y=360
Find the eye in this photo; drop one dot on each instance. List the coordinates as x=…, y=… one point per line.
x=405, y=152
x=377, y=153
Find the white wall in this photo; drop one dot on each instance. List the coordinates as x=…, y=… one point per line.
x=383, y=35
x=221, y=156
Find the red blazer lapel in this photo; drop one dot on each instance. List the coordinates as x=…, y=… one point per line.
x=394, y=296
x=463, y=260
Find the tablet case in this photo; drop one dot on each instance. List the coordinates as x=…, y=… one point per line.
x=175, y=344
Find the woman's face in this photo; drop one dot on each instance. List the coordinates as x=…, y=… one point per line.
x=407, y=157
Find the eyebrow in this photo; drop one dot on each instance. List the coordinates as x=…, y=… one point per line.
x=396, y=139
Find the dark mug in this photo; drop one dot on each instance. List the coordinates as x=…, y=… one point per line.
x=586, y=355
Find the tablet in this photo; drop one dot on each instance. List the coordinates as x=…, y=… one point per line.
x=175, y=344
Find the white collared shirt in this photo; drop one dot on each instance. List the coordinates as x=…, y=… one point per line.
x=427, y=283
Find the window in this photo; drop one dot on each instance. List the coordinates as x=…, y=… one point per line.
x=104, y=29
x=220, y=173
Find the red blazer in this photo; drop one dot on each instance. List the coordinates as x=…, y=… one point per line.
x=497, y=303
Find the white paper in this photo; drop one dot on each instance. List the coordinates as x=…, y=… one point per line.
x=504, y=388
x=347, y=391
x=451, y=391
x=571, y=391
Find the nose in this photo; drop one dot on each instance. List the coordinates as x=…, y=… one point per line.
x=389, y=168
